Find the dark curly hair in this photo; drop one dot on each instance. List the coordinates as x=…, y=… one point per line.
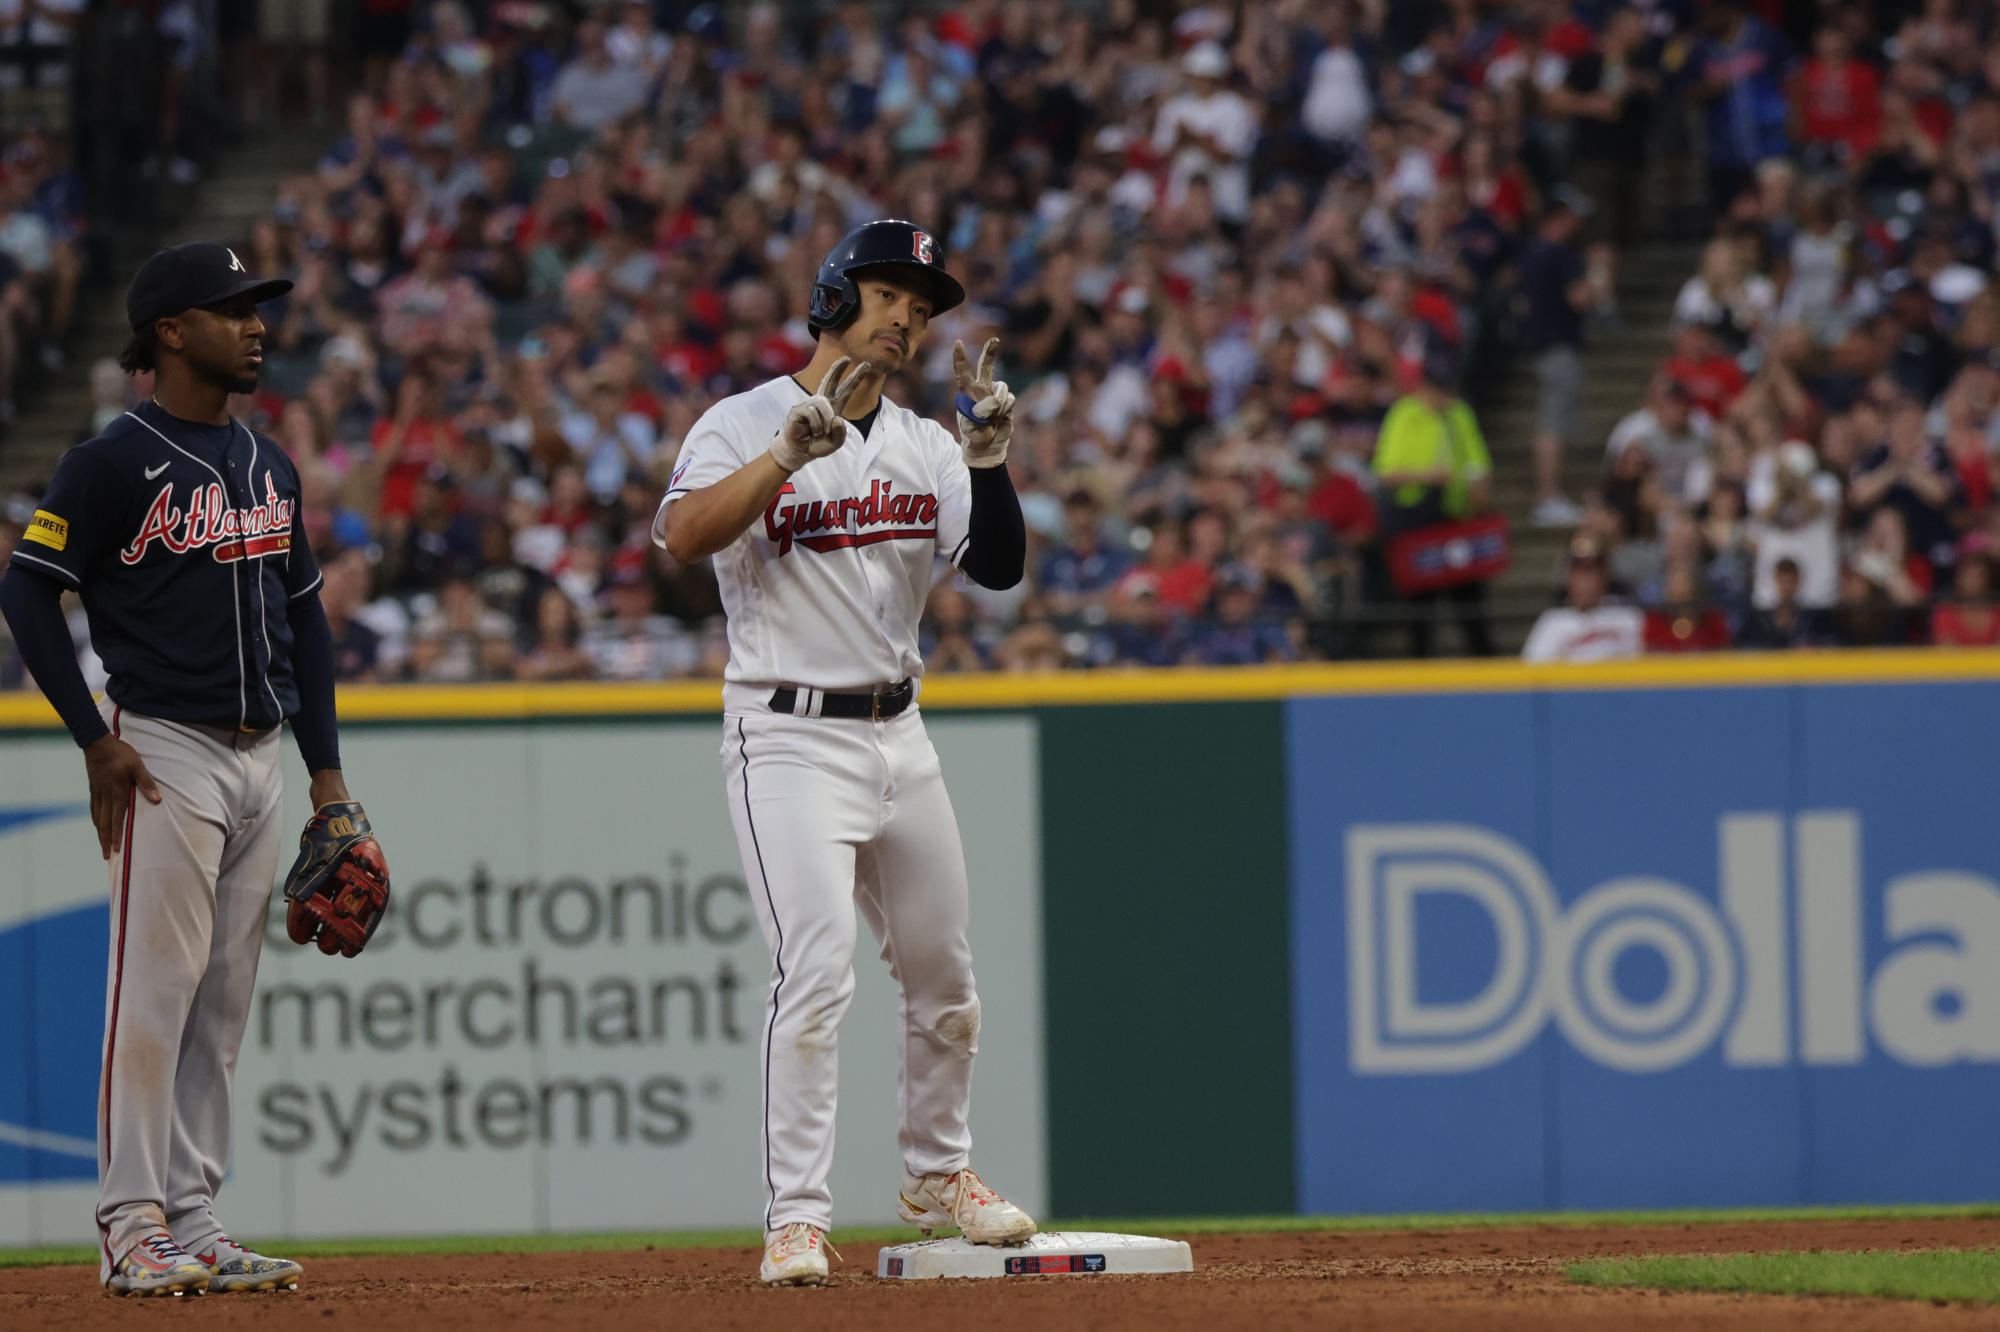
x=141, y=350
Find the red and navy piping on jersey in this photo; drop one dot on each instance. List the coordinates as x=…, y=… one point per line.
x=187, y=544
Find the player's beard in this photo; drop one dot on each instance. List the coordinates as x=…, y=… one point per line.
x=886, y=362
x=244, y=383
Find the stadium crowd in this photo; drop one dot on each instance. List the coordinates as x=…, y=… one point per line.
x=1815, y=464
x=1221, y=250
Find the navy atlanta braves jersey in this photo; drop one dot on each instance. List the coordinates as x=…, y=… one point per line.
x=187, y=545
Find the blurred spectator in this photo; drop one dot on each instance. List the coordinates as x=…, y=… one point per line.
x=1432, y=466
x=293, y=34
x=462, y=639
x=1837, y=98
x=1077, y=577
x=1666, y=431
x=1206, y=133
x=633, y=642
x=1968, y=619
x=1911, y=474
x=356, y=647
x=554, y=653
x=1786, y=623
x=1610, y=93
x=1741, y=66
x=1712, y=377
x=1683, y=621
x=594, y=90
x=950, y=643
x=1795, y=511
x=1555, y=294
x=1587, y=628
x=1237, y=633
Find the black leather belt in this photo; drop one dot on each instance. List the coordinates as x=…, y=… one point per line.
x=879, y=706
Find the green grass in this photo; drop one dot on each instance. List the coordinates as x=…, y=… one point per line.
x=55, y=1255
x=1930, y=1274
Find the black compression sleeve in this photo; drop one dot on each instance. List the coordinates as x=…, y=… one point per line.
x=996, y=552
x=33, y=606
x=313, y=725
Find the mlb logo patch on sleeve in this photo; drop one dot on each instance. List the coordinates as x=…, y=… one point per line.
x=48, y=529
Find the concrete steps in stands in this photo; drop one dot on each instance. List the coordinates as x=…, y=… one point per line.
x=56, y=414
x=1618, y=364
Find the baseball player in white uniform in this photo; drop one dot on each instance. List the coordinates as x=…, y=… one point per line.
x=825, y=506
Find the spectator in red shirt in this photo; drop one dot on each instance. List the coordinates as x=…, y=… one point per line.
x=1337, y=497
x=1711, y=376
x=418, y=437
x=1968, y=619
x=1682, y=622
x=1159, y=595
x=1836, y=99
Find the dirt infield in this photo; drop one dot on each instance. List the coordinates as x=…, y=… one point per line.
x=1473, y=1278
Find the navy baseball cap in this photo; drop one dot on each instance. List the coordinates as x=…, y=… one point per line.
x=182, y=277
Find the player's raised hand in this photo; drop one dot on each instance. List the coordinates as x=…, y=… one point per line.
x=814, y=428
x=115, y=771
x=985, y=407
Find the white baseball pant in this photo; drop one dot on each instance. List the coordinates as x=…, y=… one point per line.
x=831, y=812
x=189, y=895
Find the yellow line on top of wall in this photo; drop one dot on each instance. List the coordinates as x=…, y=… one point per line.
x=523, y=702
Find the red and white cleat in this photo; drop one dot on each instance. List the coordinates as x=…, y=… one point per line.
x=158, y=1266
x=962, y=1200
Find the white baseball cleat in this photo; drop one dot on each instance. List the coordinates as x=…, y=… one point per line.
x=237, y=1268
x=796, y=1258
x=158, y=1266
x=962, y=1200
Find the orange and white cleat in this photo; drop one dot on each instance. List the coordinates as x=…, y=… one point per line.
x=797, y=1257
x=963, y=1200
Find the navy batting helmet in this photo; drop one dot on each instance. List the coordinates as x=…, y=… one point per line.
x=835, y=298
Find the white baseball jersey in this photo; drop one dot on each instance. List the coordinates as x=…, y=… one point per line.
x=826, y=589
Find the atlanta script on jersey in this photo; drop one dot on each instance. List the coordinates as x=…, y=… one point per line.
x=186, y=543
x=828, y=588
x=210, y=521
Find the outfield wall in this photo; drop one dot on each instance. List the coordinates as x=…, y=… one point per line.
x=1468, y=936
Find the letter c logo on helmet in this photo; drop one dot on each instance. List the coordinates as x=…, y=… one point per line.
x=886, y=244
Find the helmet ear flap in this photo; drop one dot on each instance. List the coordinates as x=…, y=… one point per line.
x=834, y=304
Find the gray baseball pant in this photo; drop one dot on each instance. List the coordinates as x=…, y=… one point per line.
x=190, y=891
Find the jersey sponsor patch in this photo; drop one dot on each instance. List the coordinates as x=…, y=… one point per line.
x=237, y=534
x=48, y=529
x=824, y=525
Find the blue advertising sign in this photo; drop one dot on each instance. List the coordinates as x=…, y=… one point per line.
x=52, y=989
x=1645, y=948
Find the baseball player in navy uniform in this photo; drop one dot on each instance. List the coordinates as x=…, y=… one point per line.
x=826, y=507
x=181, y=530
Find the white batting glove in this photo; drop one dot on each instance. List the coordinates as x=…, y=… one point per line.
x=985, y=408
x=815, y=428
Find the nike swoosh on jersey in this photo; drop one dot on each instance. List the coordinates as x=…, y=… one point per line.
x=152, y=472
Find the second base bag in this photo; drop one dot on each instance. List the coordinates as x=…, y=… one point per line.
x=1441, y=555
